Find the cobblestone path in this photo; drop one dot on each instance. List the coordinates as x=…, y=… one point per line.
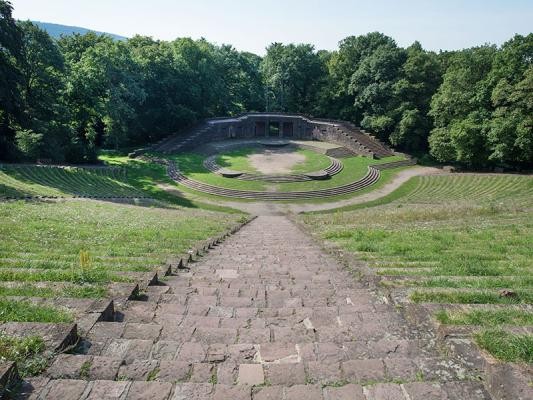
x=265, y=315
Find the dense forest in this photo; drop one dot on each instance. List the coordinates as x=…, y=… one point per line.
x=64, y=99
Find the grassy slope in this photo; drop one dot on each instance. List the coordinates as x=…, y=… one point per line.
x=41, y=241
x=54, y=181
x=458, y=238
x=148, y=177
x=117, y=237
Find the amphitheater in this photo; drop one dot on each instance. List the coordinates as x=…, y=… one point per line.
x=263, y=310
x=279, y=133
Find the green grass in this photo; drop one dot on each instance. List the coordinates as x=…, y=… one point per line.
x=27, y=180
x=151, y=178
x=237, y=160
x=26, y=352
x=455, y=188
x=117, y=238
x=313, y=162
x=448, y=239
x=506, y=346
x=355, y=168
x=470, y=297
x=486, y=317
x=24, y=311
x=63, y=290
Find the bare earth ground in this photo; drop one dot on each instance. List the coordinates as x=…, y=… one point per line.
x=275, y=162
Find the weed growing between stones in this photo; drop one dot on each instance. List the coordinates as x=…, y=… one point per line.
x=26, y=352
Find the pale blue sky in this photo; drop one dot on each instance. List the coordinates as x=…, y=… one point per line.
x=251, y=25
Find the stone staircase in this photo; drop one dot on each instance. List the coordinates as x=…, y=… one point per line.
x=265, y=315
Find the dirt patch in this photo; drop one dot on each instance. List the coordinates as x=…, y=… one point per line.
x=275, y=161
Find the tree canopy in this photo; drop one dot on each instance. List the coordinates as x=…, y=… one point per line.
x=64, y=99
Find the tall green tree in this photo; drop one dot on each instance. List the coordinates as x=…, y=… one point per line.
x=461, y=108
x=421, y=75
x=292, y=75
x=10, y=78
x=342, y=66
x=45, y=116
x=510, y=135
x=103, y=89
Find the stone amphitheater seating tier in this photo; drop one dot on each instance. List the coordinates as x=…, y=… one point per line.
x=301, y=127
x=334, y=168
x=369, y=179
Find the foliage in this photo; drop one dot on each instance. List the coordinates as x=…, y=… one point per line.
x=64, y=99
x=26, y=352
x=292, y=77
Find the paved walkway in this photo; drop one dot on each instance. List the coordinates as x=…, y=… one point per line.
x=266, y=315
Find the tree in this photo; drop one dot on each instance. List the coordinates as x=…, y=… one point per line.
x=103, y=89
x=292, y=75
x=420, y=78
x=10, y=101
x=42, y=88
x=461, y=108
x=343, y=64
x=510, y=135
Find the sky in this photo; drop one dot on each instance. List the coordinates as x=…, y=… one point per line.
x=251, y=25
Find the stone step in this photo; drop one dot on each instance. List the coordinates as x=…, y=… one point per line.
x=56, y=337
x=115, y=342
x=154, y=390
x=291, y=369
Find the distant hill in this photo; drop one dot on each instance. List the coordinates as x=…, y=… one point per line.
x=56, y=30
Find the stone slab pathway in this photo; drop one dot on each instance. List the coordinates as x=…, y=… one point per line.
x=265, y=315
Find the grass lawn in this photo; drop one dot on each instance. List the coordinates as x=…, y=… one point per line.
x=451, y=239
x=42, y=243
x=313, y=162
x=30, y=180
x=191, y=165
x=117, y=237
x=385, y=177
x=237, y=160
x=23, y=311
